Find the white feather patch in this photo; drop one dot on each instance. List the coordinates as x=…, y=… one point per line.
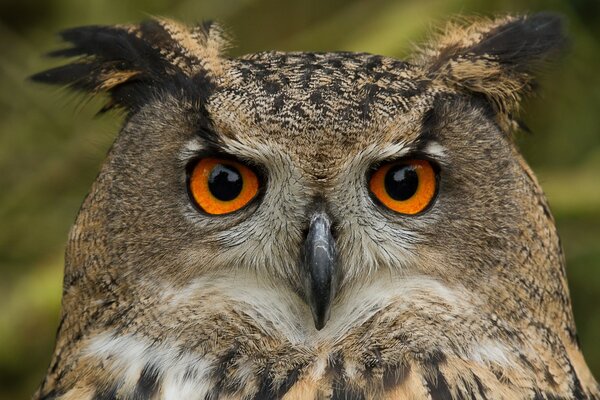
x=183, y=375
x=491, y=352
x=435, y=149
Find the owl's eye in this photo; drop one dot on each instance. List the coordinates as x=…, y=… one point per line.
x=406, y=187
x=222, y=186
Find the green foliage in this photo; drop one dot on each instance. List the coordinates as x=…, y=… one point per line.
x=51, y=146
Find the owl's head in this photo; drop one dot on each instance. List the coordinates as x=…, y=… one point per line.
x=314, y=173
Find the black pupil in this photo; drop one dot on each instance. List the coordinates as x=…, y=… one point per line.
x=401, y=182
x=225, y=182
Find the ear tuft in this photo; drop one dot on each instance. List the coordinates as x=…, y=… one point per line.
x=524, y=41
x=494, y=58
x=129, y=62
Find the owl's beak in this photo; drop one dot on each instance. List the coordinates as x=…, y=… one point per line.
x=319, y=259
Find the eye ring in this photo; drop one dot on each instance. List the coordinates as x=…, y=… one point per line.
x=406, y=186
x=221, y=186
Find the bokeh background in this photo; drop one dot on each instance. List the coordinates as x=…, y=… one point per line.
x=51, y=145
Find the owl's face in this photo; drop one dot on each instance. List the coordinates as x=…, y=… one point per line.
x=285, y=211
x=284, y=138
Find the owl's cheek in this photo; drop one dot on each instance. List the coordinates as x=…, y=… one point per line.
x=364, y=252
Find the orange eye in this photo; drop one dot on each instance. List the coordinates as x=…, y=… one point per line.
x=222, y=186
x=406, y=186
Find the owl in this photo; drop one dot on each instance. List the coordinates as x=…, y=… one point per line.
x=294, y=225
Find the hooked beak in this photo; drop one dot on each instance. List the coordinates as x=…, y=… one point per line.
x=319, y=259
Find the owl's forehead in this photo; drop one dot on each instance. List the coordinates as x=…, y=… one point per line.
x=324, y=96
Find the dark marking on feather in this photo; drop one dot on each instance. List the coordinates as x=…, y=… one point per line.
x=342, y=391
x=430, y=123
x=109, y=393
x=435, y=380
x=480, y=388
x=541, y=395
x=576, y=388
x=336, y=364
x=289, y=381
x=271, y=390
x=220, y=374
x=394, y=375
x=51, y=395
x=147, y=384
x=265, y=389
x=370, y=93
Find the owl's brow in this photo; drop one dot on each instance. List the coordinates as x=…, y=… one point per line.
x=430, y=123
x=427, y=141
x=209, y=136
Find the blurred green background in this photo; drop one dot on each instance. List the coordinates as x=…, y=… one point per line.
x=51, y=146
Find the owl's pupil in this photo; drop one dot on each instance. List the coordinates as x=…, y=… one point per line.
x=401, y=182
x=225, y=182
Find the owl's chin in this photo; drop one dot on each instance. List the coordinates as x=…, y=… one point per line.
x=391, y=339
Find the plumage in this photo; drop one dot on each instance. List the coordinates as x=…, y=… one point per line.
x=313, y=289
